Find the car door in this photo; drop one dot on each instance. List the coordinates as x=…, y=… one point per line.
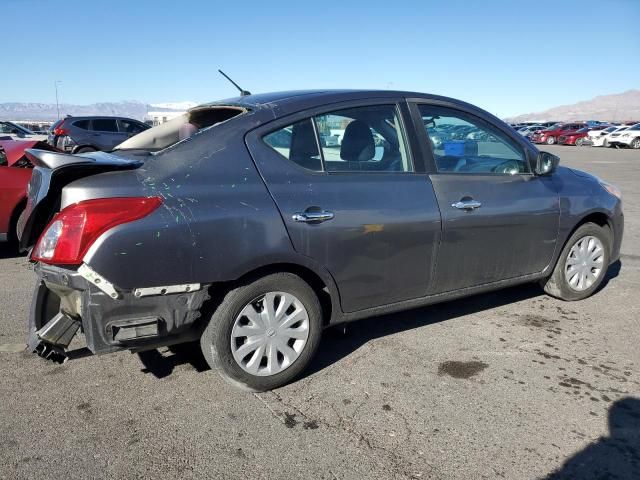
x=105, y=133
x=358, y=206
x=499, y=221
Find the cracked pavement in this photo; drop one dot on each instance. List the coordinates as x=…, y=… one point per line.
x=510, y=384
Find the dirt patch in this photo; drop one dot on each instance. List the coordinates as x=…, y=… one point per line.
x=461, y=369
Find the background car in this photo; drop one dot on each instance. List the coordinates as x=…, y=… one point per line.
x=604, y=140
x=574, y=138
x=15, y=173
x=630, y=137
x=88, y=134
x=13, y=131
x=595, y=137
x=550, y=135
x=529, y=130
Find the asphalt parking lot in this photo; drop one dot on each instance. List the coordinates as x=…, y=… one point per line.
x=512, y=384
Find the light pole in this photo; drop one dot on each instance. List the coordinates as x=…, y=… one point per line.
x=55, y=84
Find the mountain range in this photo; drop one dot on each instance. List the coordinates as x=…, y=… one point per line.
x=48, y=111
x=618, y=107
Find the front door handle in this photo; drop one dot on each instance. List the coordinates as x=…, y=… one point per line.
x=466, y=205
x=313, y=217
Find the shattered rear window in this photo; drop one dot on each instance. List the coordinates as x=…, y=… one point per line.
x=181, y=128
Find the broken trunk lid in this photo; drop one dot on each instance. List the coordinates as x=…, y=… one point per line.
x=52, y=172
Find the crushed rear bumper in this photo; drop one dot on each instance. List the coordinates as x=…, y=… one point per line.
x=66, y=302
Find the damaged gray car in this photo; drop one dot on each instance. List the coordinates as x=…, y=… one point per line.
x=237, y=226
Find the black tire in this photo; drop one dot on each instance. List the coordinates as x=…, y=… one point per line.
x=557, y=285
x=579, y=142
x=13, y=226
x=85, y=150
x=551, y=140
x=635, y=143
x=215, y=341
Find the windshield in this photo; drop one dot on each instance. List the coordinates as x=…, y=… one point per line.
x=583, y=130
x=181, y=128
x=553, y=127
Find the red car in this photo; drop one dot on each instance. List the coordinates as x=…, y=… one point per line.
x=15, y=173
x=576, y=138
x=550, y=135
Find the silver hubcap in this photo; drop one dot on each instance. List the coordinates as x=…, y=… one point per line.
x=584, y=263
x=270, y=333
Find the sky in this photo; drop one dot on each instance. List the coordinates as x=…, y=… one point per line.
x=506, y=56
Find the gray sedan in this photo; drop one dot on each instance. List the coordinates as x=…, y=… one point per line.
x=237, y=227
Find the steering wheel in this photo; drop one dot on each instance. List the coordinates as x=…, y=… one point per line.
x=509, y=167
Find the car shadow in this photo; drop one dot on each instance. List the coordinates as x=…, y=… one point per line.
x=342, y=340
x=9, y=250
x=162, y=364
x=616, y=456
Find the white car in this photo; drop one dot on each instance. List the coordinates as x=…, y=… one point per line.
x=13, y=131
x=528, y=129
x=602, y=139
x=629, y=137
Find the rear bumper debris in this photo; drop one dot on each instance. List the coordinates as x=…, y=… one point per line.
x=69, y=301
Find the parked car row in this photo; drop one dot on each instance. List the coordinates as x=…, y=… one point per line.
x=583, y=133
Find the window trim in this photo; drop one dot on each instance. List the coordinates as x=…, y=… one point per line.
x=402, y=111
x=424, y=145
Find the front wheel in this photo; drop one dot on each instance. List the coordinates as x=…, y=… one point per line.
x=264, y=333
x=582, y=264
x=635, y=144
x=551, y=140
x=579, y=142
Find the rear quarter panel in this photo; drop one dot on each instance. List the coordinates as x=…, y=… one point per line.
x=13, y=189
x=217, y=220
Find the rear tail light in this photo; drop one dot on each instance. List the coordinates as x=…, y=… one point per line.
x=74, y=229
x=60, y=130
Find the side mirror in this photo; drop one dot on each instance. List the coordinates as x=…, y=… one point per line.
x=546, y=163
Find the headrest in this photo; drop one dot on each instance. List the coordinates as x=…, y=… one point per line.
x=357, y=142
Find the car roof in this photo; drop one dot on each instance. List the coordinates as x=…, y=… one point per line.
x=294, y=100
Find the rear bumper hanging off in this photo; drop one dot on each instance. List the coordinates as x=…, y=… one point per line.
x=67, y=301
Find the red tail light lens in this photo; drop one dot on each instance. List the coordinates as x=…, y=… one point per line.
x=73, y=230
x=60, y=130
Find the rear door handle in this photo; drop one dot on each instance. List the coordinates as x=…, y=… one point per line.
x=313, y=217
x=466, y=204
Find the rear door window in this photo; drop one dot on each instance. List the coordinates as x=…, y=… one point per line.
x=104, y=125
x=298, y=143
x=363, y=139
x=82, y=124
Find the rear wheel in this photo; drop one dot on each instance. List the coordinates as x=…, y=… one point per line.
x=264, y=333
x=582, y=264
x=551, y=140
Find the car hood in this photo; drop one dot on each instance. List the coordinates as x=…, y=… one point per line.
x=583, y=174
